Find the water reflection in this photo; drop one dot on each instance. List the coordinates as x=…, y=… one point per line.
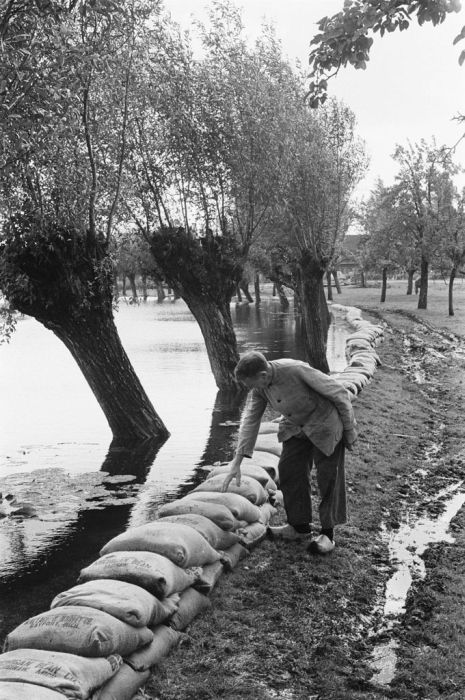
x=54, y=443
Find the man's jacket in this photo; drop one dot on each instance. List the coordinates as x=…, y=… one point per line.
x=310, y=402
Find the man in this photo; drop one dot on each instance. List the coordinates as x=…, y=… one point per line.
x=317, y=424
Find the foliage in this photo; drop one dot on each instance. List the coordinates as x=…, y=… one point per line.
x=52, y=272
x=424, y=191
x=327, y=161
x=388, y=238
x=451, y=252
x=208, y=139
x=345, y=38
x=203, y=267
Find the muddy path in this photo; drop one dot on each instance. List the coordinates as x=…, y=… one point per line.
x=289, y=625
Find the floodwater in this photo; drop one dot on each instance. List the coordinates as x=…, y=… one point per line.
x=406, y=547
x=55, y=450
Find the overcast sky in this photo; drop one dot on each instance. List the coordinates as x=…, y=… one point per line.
x=412, y=87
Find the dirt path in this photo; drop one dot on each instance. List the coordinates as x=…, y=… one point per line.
x=288, y=625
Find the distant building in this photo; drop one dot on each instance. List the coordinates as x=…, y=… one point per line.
x=348, y=264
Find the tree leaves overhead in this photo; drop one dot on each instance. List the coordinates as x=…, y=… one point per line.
x=346, y=37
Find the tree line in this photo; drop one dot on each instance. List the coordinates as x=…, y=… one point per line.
x=416, y=225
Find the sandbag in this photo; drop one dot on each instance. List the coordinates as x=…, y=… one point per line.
x=127, y=602
x=73, y=676
x=123, y=686
x=210, y=576
x=358, y=344
x=240, y=507
x=268, y=443
x=183, y=545
x=219, y=514
x=215, y=536
x=249, y=488
x=251, y=470
x=252, y=534
x=233, y=555
x=164, y=639
x=192, y=603
x=266, y=511
x=264, y=459
x=75, y=629
x=267, y=427
x=26, y=691
x=350, y=386
x=151, y=571
x=357, y=378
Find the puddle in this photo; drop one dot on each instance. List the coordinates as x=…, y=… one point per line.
x=406, y=547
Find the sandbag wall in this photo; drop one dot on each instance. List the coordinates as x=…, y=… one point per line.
x=129, y=608
x=362, y=358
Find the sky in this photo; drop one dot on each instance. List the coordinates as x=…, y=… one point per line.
x=413, y=86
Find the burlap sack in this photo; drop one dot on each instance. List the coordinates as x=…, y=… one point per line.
x=75, y=629
x=181, y=544
x=73, y=676
x=127, y=602
x=219, y=514
x=26, y=691
x=215, y=536
x=249, y=488
x=151, y=571
x=240, y=507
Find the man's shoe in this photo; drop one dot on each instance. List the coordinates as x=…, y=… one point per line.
x=321, y=545
x=287, y=533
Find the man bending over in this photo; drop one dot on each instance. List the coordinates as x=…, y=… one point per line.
x=317, y=425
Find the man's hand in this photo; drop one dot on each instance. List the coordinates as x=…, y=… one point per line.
x=348, y=439
x=234, y=473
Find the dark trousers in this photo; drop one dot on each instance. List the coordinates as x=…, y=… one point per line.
x=295, y=464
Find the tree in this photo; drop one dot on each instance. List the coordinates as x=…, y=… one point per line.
x=328, y=159
x=382, y=223
x=346, y=37
x=208, y=147
x=451, y=254
x=424, y=186
x=68, y=72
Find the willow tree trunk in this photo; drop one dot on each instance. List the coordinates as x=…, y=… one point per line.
x=132, y=282
x=220, y=340
x=328, y=283
x=244, y=285
x=256, y=284
x=336, y=282
x=423, y=296
x=315, y=314
x=160, y=293
x=410, y=276
x=363, y=281
x=452, y=276
x=143, y=280
x=383, y=285
x=283, y=300
x=96, y=346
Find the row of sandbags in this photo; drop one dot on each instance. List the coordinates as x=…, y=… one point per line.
x=362, y=358
x=129, y=608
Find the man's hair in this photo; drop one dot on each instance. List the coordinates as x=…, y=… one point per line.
x=250, y=365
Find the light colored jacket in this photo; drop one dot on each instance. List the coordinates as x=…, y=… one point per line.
x=310, y=402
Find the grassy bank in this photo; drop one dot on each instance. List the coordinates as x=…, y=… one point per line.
x=289, y=625
x=396, y=298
